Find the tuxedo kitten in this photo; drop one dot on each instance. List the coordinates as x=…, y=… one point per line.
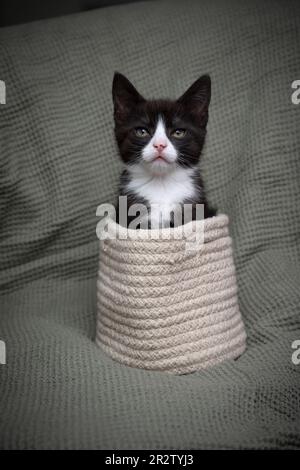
x=160, y=142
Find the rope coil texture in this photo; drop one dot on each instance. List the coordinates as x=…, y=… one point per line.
x=164, y=307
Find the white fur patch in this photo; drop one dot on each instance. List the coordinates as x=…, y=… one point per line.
x=162, y=192
x=169, y=153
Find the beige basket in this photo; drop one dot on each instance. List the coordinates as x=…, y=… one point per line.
x=169, y=304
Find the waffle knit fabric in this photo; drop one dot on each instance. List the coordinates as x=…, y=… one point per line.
x=166, y=305
x=58, y=163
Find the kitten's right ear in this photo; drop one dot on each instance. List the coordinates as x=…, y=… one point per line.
x=197, y=98
x=125, y=96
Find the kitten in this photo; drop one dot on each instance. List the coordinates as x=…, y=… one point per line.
x=160, y=142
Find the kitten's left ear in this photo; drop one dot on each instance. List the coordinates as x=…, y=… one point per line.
x=125, y=96
x=197, y=99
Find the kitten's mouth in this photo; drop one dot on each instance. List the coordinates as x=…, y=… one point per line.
x=159, y=162
x=159, y=158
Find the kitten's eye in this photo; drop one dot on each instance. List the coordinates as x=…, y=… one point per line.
x=141, y=132
x=178, y=133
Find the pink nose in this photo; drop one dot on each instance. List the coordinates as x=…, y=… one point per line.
x=159, y=146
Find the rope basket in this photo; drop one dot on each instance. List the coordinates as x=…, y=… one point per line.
x=166, y=301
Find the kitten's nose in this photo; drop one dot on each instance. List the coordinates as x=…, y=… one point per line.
x=159, y=145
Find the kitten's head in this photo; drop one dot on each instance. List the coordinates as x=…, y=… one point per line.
x=160, y=134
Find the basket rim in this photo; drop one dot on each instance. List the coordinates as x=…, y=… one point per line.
x=209, y=224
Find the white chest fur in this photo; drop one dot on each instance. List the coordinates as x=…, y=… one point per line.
x=163, y=193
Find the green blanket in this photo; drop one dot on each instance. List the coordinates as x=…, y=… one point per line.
x=59, y=162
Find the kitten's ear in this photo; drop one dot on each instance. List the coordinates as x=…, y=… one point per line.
x=125, y=96
x=197, y=98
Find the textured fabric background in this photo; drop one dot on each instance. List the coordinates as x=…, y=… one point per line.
x=58, y=162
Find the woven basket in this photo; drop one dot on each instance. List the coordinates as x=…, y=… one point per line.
x=169, y=304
